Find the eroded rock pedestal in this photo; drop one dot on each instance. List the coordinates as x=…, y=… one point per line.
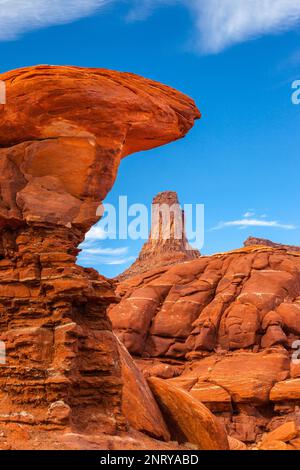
x=62, y=366
x=64, y=131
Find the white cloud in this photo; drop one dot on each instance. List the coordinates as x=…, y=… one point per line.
x=120, y=261
x=94, y=255
x=218, y=23
x=95, y=234
x=105, y=251
x=19, y=16
x=252, y=222
x=250, y=213
x=222, y=23
x=141, y=9
x=96, y=260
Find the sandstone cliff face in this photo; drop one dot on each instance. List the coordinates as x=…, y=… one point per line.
x=223, y=329
x=63, y=133
x=167, y=244
x=244, y=299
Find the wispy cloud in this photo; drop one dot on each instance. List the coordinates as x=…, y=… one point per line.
x=95, y=234
x=89, y=260
x=251, y=220
x=105, y=251
x=19, y=16
x=93, y=254
x=141, y=9
x=243, y=223
x=249, y=213
x=120, y=261
x=218, y=23
x=222, y=23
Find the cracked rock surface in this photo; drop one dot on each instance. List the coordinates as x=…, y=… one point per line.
x=224, y=329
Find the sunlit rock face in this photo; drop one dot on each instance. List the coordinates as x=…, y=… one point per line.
x=63, y=133
x=224, y=328
x=167, y=244
x=253, y=241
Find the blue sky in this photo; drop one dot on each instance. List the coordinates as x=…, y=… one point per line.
x=238, y=65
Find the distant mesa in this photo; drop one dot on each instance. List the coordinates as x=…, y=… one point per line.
x=252, y=241
x=167, y=244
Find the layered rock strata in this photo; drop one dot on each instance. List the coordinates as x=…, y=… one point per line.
x=63, y=133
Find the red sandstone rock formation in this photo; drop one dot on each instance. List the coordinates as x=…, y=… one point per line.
x=285, y=437
x=63, y=133
x=244, y=299
x=252, y=241
x=223, y=329
x=167, y=244
x=189, y=420
x=138, y=404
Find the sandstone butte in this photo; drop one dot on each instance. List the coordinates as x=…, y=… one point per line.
x=224, y=329
x=63, y=133
x=167, y=244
